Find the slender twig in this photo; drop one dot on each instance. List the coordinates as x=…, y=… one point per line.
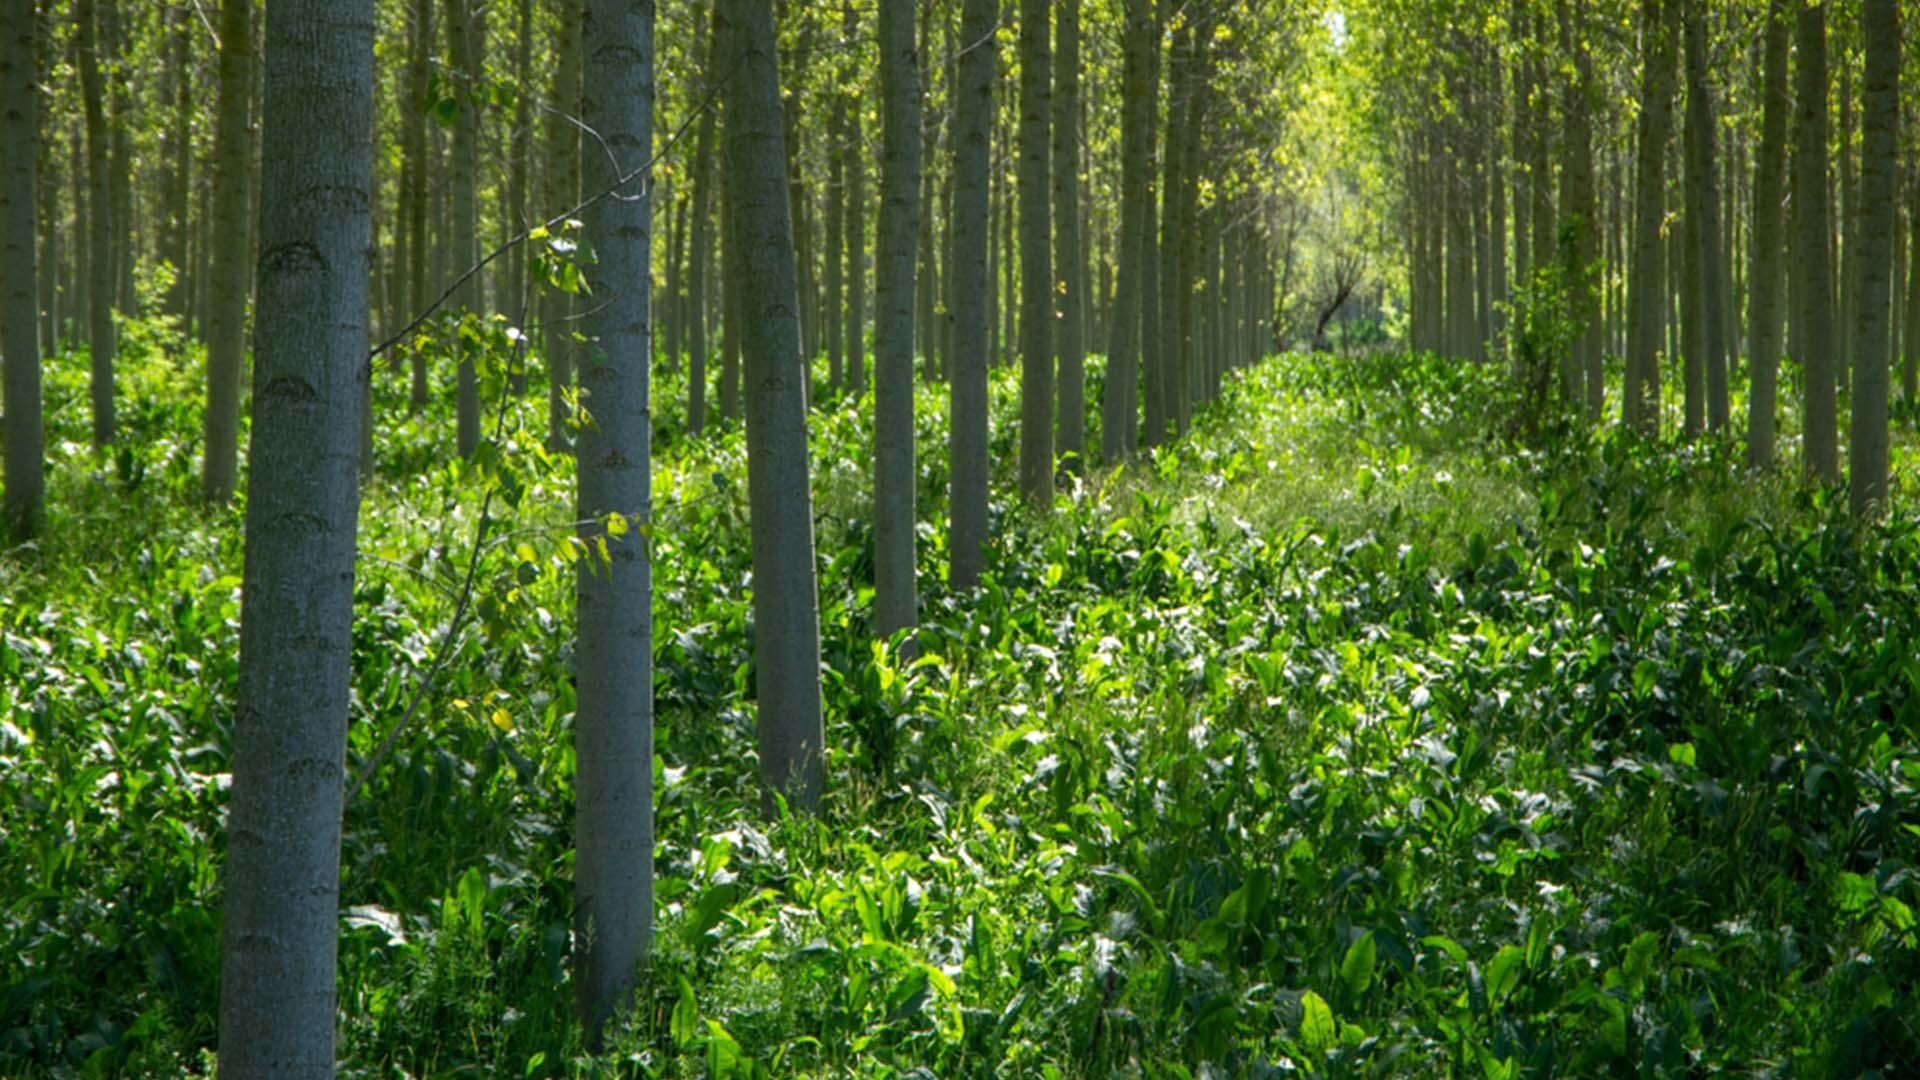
x=525, y=234
x=462, y=602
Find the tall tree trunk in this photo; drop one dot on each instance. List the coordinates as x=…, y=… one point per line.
x=1522, y=149
x=1763, y=280
x=1703, y=191
x=856, y=226
x=1544, y=242
x=125, y=242
x=926, y=329
x=1036, y=270
x=613, y=730
x=1500, y=292
x=174, y=181
x=1190, y=232
x=48, y=184
x=22, y=509
x=1811, y=225
x=967, y=379
x=1153, y=394
x=282, y=879
x=1122, y=404
x=1458, y=214
x=1069, y=267
x=786, y=606
x=1648, y=302
x=414, y=154
x=1846, y=221
x=836, y=239
x=232, y=268
x=1581, y=212
x=1877, y=220
x=896, y=600
x=563, y=193
x=518, y=151
x=1172, y=381
x=673, y=317
x=701, y=273
x=465, y=177
x=100, y=226
x=733, y=287
x=792, y=132
x=1910, y=371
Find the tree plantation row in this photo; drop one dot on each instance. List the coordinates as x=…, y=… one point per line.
x=885, y=393
x=1679, y=187
x=566, y=257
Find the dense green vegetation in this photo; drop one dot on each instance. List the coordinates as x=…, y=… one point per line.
x=1345, y=737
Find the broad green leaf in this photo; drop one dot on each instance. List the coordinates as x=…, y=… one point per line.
x=1356, y=971
x=1318, y=1032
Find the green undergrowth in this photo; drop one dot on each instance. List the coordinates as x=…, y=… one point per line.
x=1347, y=737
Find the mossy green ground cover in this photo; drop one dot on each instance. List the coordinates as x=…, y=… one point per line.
x=1349, y=738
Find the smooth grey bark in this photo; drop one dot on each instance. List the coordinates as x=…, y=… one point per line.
x=855, y=224
x=231, y=269
x=1540, y=168
x=733, y=285
x=113, y=50
x=967, y=385
x=1910, y=370
x=519, y=148
x=290, y=719
x=836, y=325
x=1580, y=211
x=896, y=600
x=22, y=510
x=786, y=604
x=1183, y=316
x=1846, y=220
x=464, y=177
x=1644, y=321
x=413, y=154
x=1458, y=216
x=1811, y=224
x=1036, y=270
x=700, y=272
x=563, y=191
x=176, y=166
x=1153, y=391
x=1122, y=401
x=671, y=320
x=47, y=180
x=100, y=227
x=613, y=729
x=1704, y=192
x=1070, y=344
x=926, y=328
x=1172, y=380
x=793, y=133
x=1879, y=182
x=1764, y=277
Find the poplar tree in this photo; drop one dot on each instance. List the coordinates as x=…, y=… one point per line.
x=613, y=726
x=786, y=602
x=1036, y=264
x=22, y=508
x=1811, y=224
x=896, y=600
x=232, y=270
x=1879, y=182
x=1764, y=277
x=967, y=385
x=282, y=879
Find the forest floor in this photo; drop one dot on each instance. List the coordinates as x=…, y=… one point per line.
x=1349, y=738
